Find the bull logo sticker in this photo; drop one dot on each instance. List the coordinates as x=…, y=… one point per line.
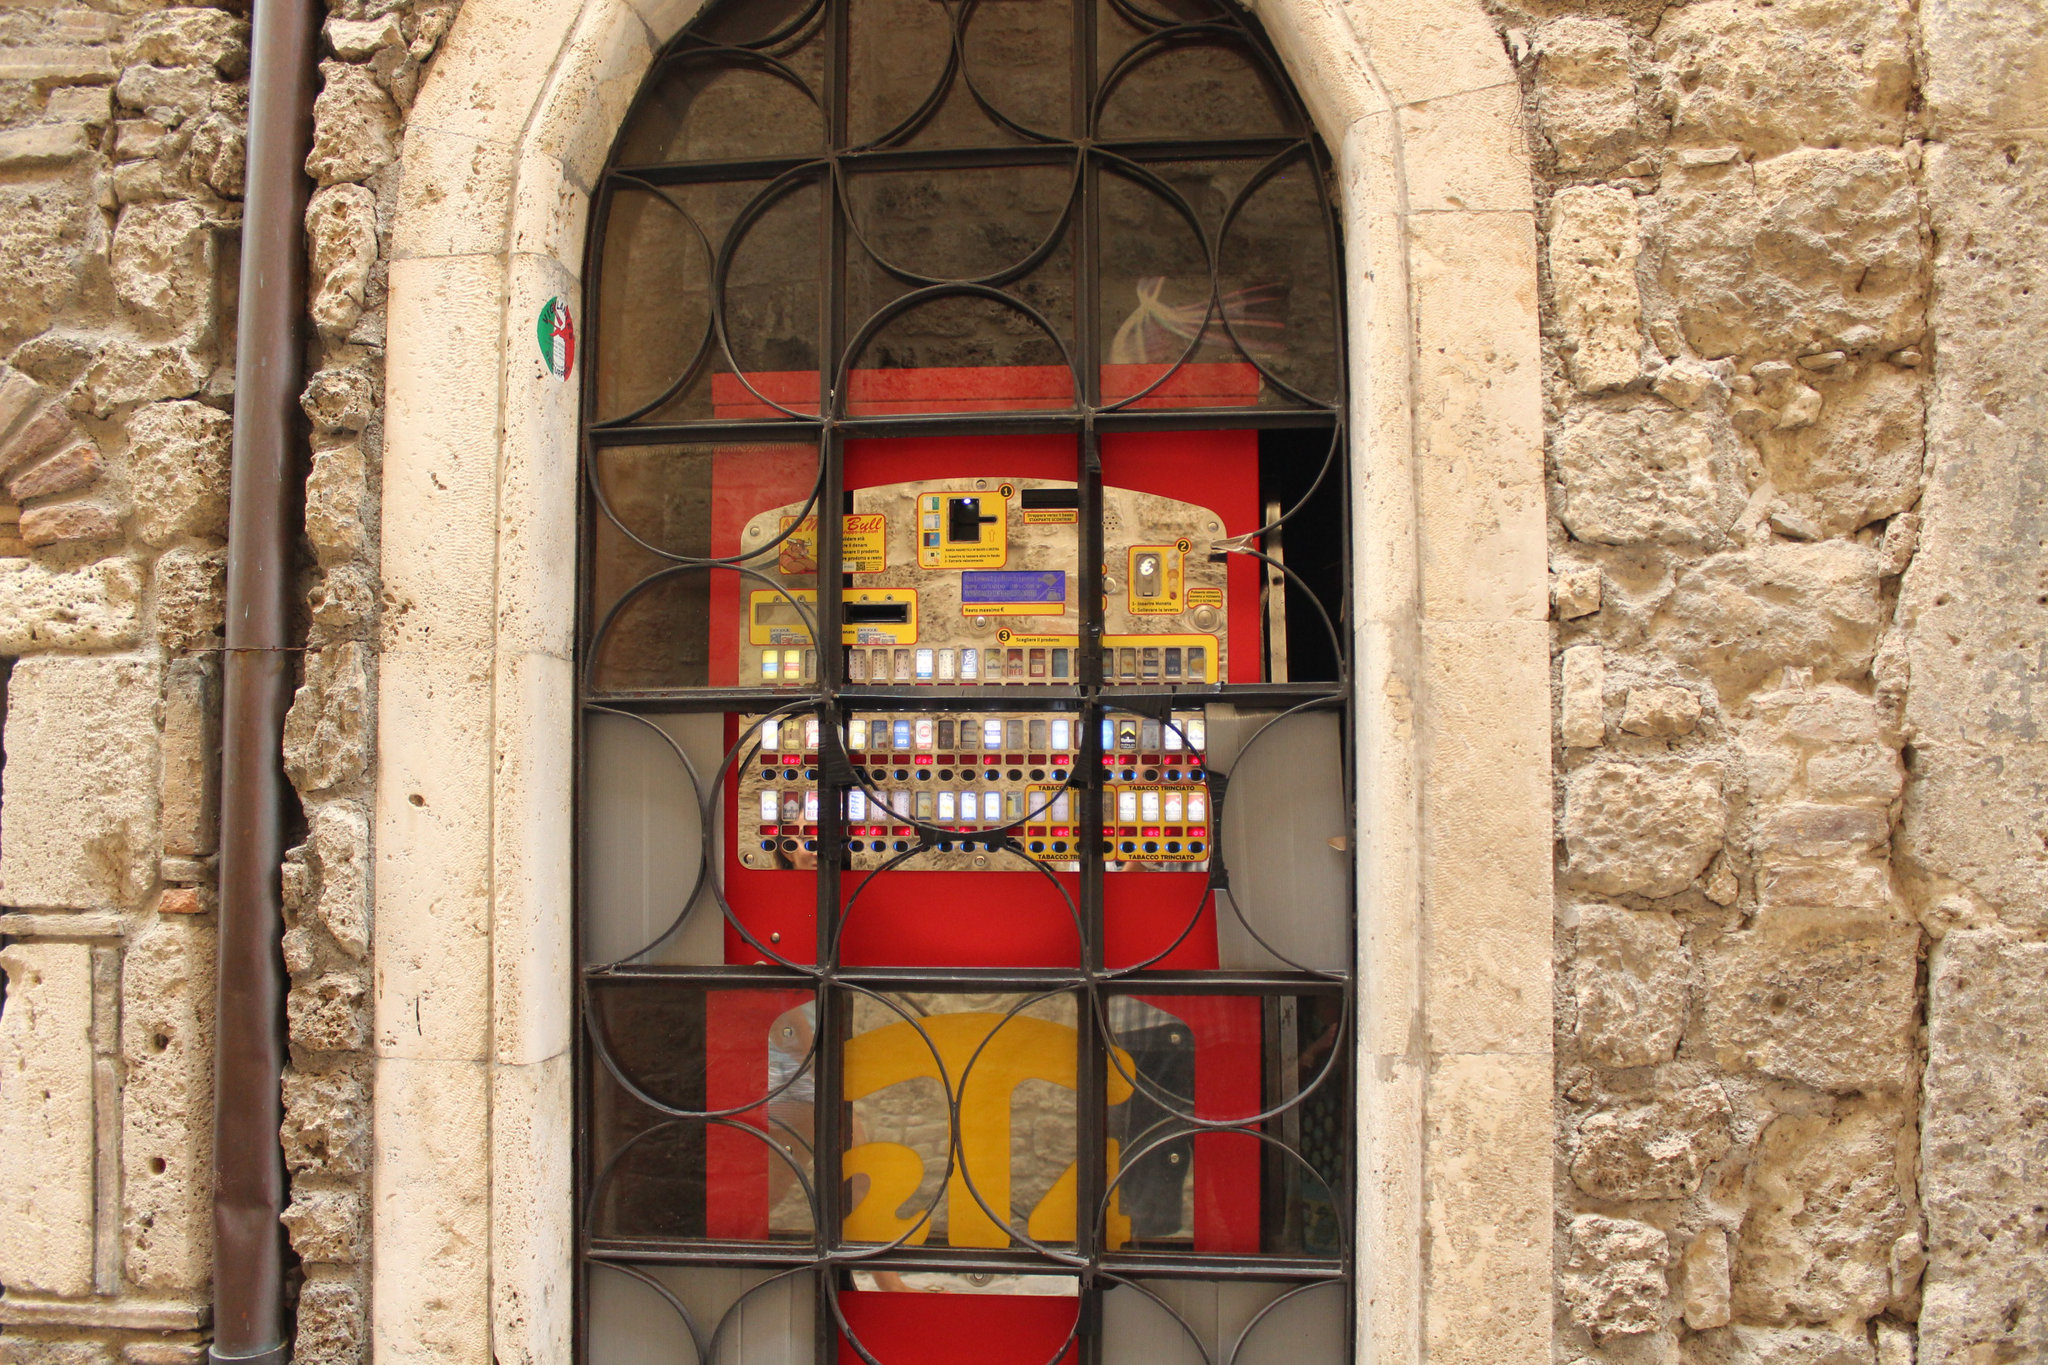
x=557, y=337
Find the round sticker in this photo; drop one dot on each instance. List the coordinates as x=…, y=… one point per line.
x=557, y=333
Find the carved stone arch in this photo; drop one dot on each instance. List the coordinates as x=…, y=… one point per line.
x=1418, y=102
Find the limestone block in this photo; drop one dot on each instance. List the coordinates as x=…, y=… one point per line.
x=344, y=599
x=341, y=233
x=218, y=154
x=128, y=371
x=48, y=428
x=1825, y=1208
x=1613, y=1280
x=326, y=1225
x=69, y=523
x=1984, y=1145
x=326, y=1123
x=46, y=1118
x=1488, y=1201
x=166, y=264
x=336, y=492
x=1594, y=242
x=355, y=125
x=81, y=793
x=1703, y=1281
x=167, y=1008
x=1645, y=471
x=1861, y=462
x=333, y=1328
x=1575, y=592
x=1771, y=77
x=1829, y=713
x=1798, y=1346
x=170, y=95
x=339, y=398
x=1740, y=616
x=1586, y=92
x=1629, y=982
x=1647, y=828
x=327, y=731
x=1817, y=997
x=191, y=37
x=1656, y=1150
x=329, y=1014
x=96, y=607
x=56, y=65
x=1661, y=711
x=1584, y=706
x=51, y=235
x=44, y=144
x=341, y=841
x=1814, y=831
x=191, y=597
x=1894, y=1345
x=1840, y=884
x=1810, y=251
x=191, y=758
x=21, y=1348
x=358, y=40
x=178, y=469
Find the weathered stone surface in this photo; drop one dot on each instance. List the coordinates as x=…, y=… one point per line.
x=1742, y=615
x=1657, y=1150
x=1825, y=1208
x=218, y=154
x=326, y=733
x=191, y=597
x=1660, y=711
x=80, y=797
x=356, y=40
x=1594, y=242
x=329, y=1014
x=51, y=233
x=1586, y=92
x=1703, y=1281
x=191, y=758
x=1814, y=832
x=1584, y=677
x=43, y=431
x=1855, y=772
x=127, y=371
x=21, y=1348
x=341, y=234
x=355, y=125
x=336, y=492
x=170, y=95
x=341, y=841
x=340, y=398
x=167, y=984
x=96, y=607
x=1818, y=998
x=1861, y=462
x=66, y=471
x=1646, y=828
x=1809, y=251
x=1643, y=471
x=191, y=37
x=165, y=265
x=1630, y=984
x=326, y=1123
x=333, y=1328
x=344, y=598
x=69, y=523
x=178, y=470
x=1984, y=1147
x=1575, y=593
x=49, y=144
x=1613, y=1280
x=1797, y=1346
x=1771, y=77
x=46, y=1117
x=326, y=1225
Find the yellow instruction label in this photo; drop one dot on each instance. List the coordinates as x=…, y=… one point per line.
x=1049, y=516
x=863, y=544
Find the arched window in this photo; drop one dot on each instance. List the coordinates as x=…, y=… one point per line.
x=966, y=934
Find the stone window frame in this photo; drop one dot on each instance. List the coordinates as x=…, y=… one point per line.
x=472, y=1218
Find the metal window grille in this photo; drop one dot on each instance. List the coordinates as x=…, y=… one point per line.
x=753, y=269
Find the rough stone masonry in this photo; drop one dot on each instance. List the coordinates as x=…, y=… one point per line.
x=1799, y=567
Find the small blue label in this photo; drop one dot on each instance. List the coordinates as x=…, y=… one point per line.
x=999, y=586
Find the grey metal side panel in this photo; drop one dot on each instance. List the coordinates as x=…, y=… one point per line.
x=1289, y=879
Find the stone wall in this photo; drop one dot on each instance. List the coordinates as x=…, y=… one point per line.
x=121, y=152
x=1797, y=480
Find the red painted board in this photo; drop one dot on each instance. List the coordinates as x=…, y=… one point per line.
x=957, y=1329
x=735, y=1071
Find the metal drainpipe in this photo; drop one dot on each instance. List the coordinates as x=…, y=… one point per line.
x=249, y=1043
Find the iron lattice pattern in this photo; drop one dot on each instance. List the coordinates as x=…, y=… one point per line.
x=1065, y=1098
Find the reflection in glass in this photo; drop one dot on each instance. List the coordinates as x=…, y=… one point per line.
x=1202, y=85
x=755, y=1316
x=705, y=108
x=1198, y=1322
x=742, y=1054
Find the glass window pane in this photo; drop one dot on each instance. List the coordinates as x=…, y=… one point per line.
x=644, y=1314
x=717, y=107
x=1193, y=1322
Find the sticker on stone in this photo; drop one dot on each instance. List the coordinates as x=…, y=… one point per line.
x=557, y=334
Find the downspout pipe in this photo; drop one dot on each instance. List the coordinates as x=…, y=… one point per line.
x=249, y=1037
